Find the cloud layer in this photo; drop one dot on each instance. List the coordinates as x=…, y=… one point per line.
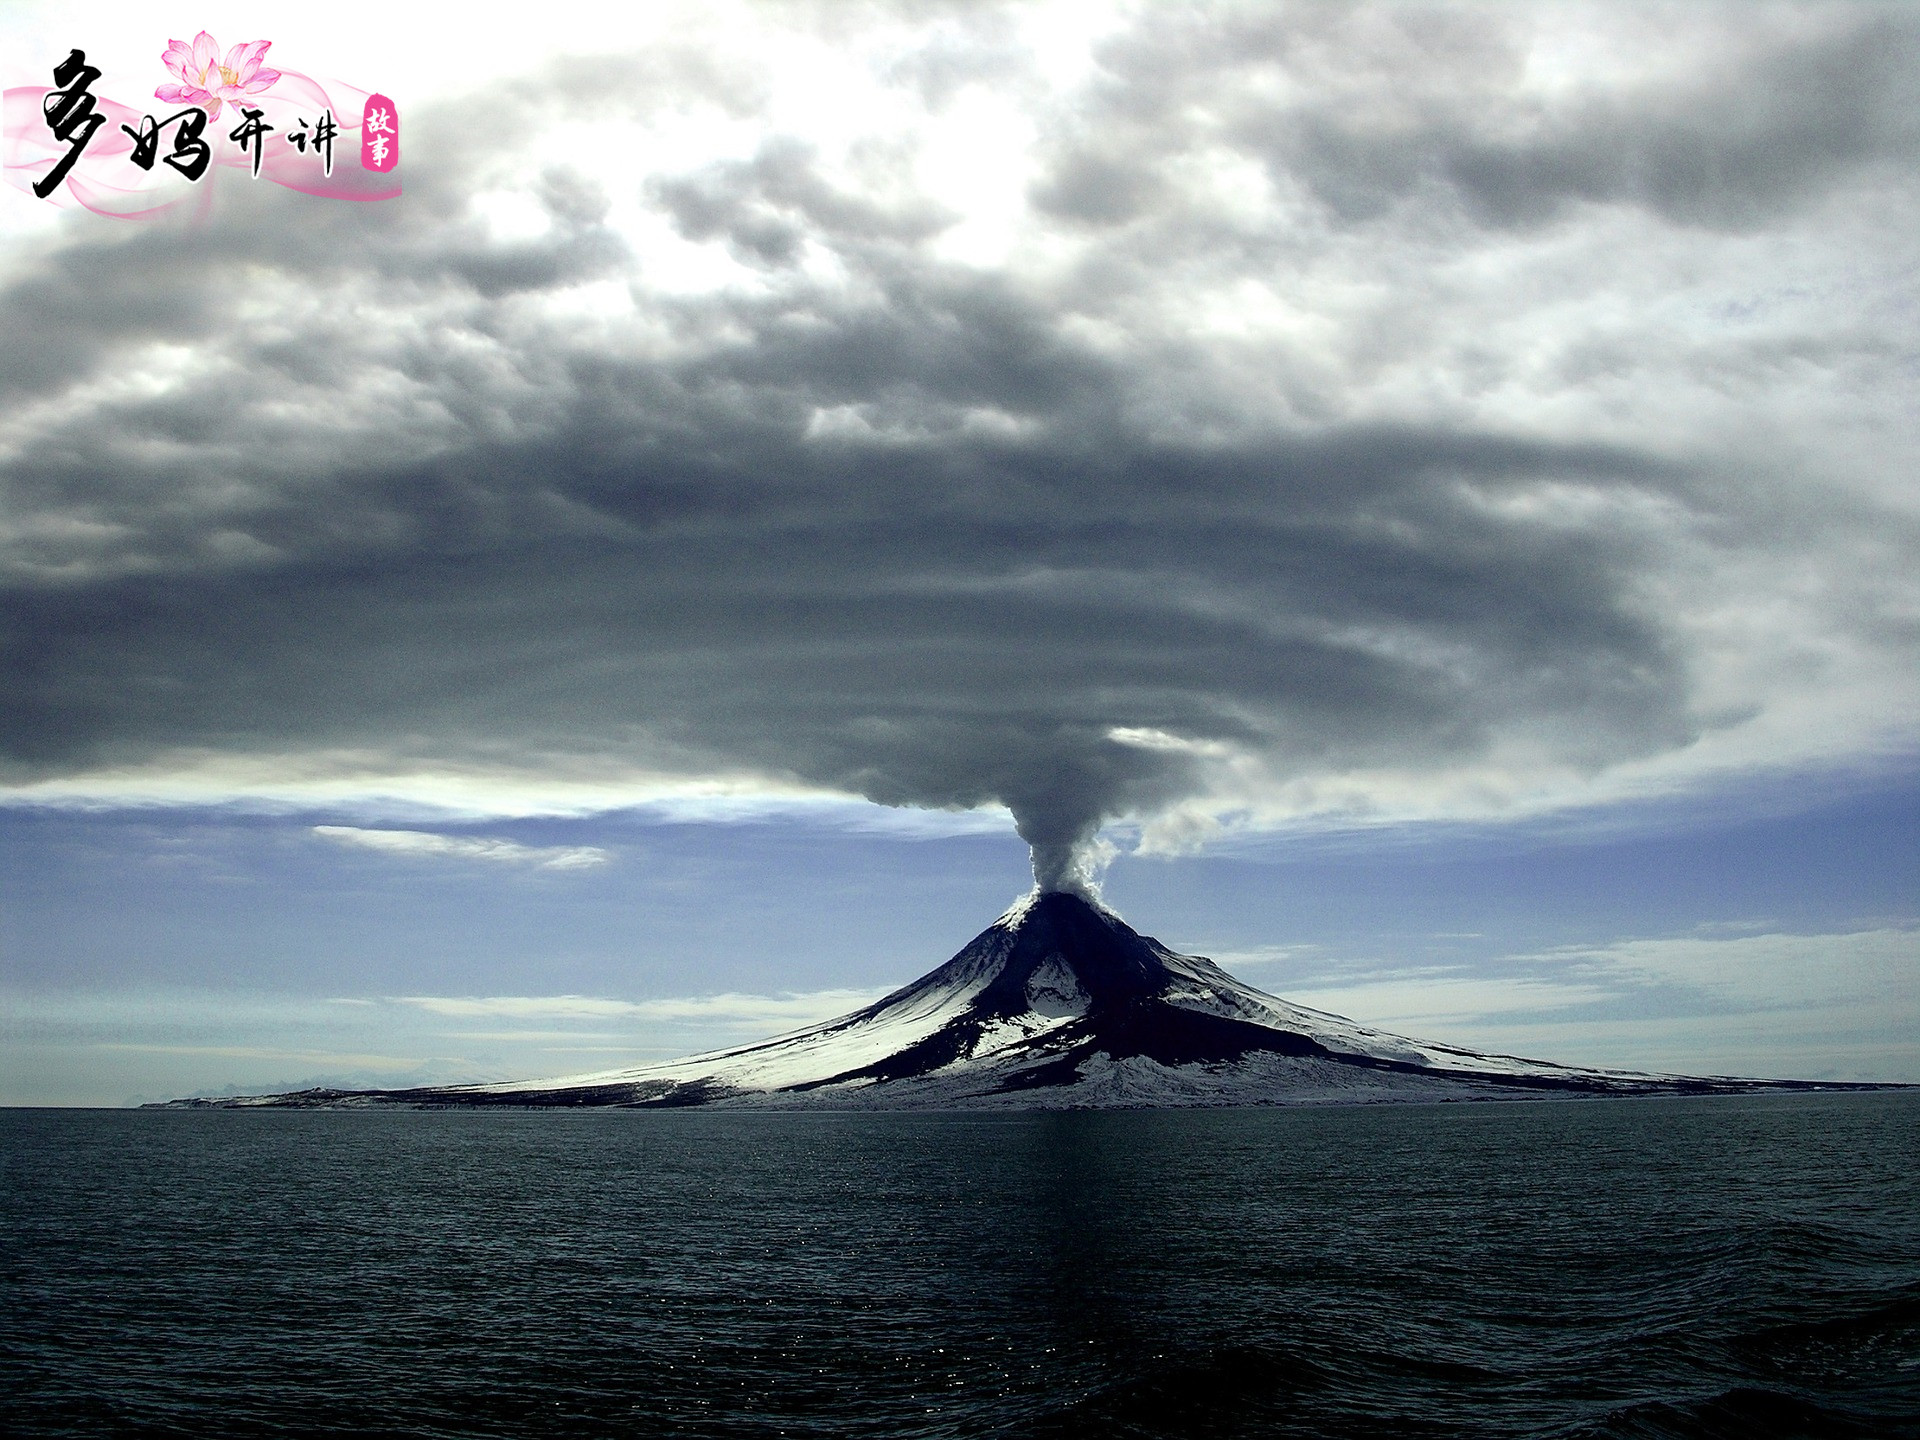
x=1274, y=410
x=1817, y=1006
x=465, y=847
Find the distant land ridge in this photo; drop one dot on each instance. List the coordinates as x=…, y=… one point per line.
x=1059, y=1004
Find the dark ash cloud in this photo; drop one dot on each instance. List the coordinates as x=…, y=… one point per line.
x=877, y=520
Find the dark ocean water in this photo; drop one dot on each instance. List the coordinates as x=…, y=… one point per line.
x=1733, y=1267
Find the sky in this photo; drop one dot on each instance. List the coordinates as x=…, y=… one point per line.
x=1414, y=502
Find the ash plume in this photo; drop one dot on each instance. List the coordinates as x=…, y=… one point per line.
x=863, y=516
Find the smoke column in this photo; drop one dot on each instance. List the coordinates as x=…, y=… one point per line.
x=1063, y=857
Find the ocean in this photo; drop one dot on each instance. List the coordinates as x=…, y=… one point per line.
x=1742, y=1266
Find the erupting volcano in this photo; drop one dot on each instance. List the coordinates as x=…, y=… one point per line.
x=1058, y=1004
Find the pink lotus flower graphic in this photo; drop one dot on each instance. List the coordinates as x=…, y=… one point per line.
x=207, y=79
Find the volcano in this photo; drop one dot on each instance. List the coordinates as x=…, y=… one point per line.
x=1058, y=1004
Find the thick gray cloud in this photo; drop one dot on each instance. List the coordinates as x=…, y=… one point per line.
x=1056, y=532
x=1368, y=110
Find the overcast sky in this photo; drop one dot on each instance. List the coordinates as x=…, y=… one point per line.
x=769, y=455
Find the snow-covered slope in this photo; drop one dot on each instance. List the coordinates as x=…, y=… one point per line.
x=1058, y=1003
